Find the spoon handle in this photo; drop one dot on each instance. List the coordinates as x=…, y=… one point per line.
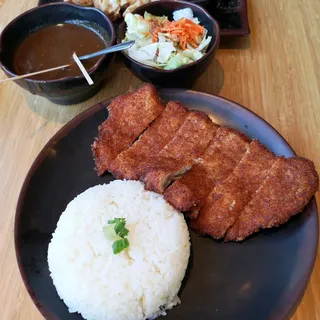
x=117, y=47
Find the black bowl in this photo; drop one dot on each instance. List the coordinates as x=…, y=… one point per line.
x=68, y=90
x=185, y=76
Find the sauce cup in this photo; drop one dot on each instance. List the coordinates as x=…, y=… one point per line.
x=67, y=90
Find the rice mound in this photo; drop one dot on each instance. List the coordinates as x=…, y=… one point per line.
x=140, y=282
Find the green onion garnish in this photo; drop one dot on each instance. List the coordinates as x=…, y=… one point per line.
x=120, y=245
x=116, y=231
x=119, y=227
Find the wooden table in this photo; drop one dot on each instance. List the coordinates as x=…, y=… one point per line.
x=274, y=72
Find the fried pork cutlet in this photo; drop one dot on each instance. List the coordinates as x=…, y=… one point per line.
x=215, y=164
x=160, y=132
x=178, y=155
x=288, y=188
x=224, y=204
x=129, y=116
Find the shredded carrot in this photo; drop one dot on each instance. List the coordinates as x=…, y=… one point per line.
x=184, y=31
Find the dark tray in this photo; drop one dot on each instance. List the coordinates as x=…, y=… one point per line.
x=231, y=15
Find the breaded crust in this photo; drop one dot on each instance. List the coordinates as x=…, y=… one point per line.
x=150, y=143
x=192, y=138
x=288, y=188
x=187, y=144
x=129, y=116
x=227, y=200
x=215, y=164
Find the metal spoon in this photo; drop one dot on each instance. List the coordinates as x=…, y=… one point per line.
x=117, y=47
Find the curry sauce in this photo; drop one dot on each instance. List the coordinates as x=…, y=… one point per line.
x=53, y=46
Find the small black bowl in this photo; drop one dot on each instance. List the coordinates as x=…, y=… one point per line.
x=68, y=90
x=185, y=76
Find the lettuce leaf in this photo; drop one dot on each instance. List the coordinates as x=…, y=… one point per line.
x=148, y=16
x=146, y=54
x=137, y=28
x=192, y=54
x=204, y=44
x=186, y=13
x=165, y=51
x=177, y=60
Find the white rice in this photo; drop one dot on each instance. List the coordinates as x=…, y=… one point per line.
x=138, y=283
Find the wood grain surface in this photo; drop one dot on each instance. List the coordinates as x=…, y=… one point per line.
x=274, y=72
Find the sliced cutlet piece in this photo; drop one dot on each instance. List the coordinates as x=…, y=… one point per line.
x=178, y=155
x=224, y=204
x=129, y=115
x=160, y=132
x=288, y=188
x=215, y=164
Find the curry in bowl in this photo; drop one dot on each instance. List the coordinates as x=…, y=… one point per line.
x=52, y=46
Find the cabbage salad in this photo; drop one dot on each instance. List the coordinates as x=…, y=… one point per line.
x=166, y=44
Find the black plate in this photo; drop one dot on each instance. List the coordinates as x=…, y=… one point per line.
x=231, y=14
x=262, y=278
